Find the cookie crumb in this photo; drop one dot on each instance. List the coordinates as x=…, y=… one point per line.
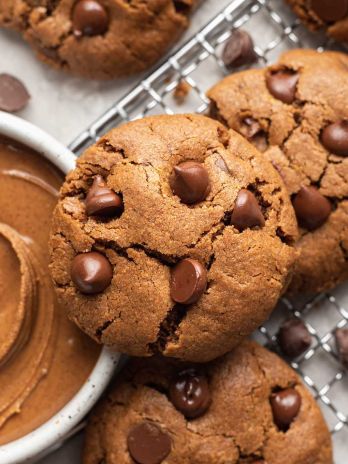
x=181, y=91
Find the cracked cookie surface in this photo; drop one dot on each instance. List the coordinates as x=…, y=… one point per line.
x=237, y=427
x=244, y=271
x=291, y=135
x=104, y=39
x=331, y=15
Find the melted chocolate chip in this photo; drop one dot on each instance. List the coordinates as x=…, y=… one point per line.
x=330, y=10
x=189, y=392
x=294, y=337
x=13, y=94
x=89, y=18
x=282, y=84
x=285, y=406
x=91, y=272
x=102, y=201
x=238, y=50
x=311, y=207
x=341, y=338
x=246, y=212
x=250, y=127
x=188, y=281
x=335, y=138
x=148, y=443
x=190, y=182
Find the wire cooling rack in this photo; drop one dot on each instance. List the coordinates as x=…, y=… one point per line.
x=198, y=63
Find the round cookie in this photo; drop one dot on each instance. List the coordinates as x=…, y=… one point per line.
x=332, y=15
x=193, y=272
x=99, y=39
x=247, y=407
x=296, y=113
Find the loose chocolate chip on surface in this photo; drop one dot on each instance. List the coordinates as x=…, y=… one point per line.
x=335, y=138
x=285, y=407
x=246, y=212
x=101, y=200
x=311, y=207
x=294, y=337
x=91, y=272
x=188, y=281
x=282, y=85
x=189, y=392
x=238, y=50
x=190, y=182
x=13, y=94
x=89, y=18
x=341, y=338
x=148, y=443
x=330, y=10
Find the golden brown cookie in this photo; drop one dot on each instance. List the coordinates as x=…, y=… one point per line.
x=191, y=234
x=331, y=15
x=296, y=113
x=248, y=407
x=99, y=39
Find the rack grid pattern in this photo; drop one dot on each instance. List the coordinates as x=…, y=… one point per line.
x=198, y=62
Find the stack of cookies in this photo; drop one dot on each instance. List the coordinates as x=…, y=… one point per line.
x=173, y=240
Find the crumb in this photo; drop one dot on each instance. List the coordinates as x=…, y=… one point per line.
x=181, y=91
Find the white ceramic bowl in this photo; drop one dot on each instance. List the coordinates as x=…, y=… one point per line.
x=51, y=434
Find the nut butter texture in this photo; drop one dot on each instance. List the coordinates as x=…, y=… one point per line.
x=44, y=359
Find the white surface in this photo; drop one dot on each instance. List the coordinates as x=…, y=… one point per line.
x=64, y=106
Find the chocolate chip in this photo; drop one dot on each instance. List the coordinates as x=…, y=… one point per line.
x=341, y=338
x=189, y=392
x=285, y=407
x=148, y=443
x=246, y=212
x=89, y=18
x=190, y=182
x=91, y=272
x=238, y=50
x=282, y=84
x=330, y=10
x=294, y=337
x=311, y=207
x=102, y=201
x=188, y=281
x=13, y=94
x=335, y=138
x=250, y=127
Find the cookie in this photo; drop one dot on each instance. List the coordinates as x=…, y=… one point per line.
x=247, y=407
x=296, y=113
x=331, y=15
x=172, y=235
x=99, y=39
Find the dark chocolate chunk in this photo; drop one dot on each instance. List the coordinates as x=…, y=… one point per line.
x=294, y=337
x=247, y=212
x=311, y=207
x=282, y=84
x=188, y=281
x=148, y=443
x=335, y=138
x=89, y=18
x=238, y=50
x=102, y=201
x=341, y=338
x=13, y=94
x=189, y=392
x=330, y=10
x=190, y=182
x=285, y=406
x=91, y=272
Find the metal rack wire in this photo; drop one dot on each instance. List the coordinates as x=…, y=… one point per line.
x=198, y=62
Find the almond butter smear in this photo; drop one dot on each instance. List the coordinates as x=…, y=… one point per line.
x=44, y=358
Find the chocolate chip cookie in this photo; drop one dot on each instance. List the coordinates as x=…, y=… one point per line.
x=99, y=39
x=247, y=407
x=296, y=113
x=332, y=15
x=172, y=235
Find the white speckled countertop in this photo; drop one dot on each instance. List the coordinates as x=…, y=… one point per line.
x=64, y=106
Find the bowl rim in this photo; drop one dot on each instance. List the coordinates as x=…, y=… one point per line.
x=40, y=441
